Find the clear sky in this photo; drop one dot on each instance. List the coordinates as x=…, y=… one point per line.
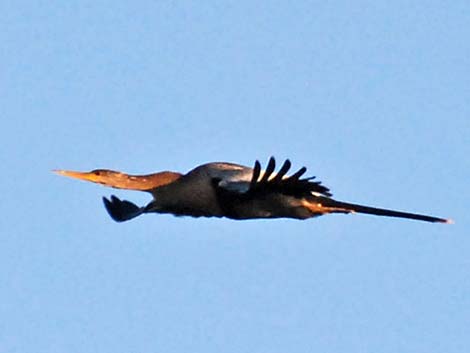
x=372, y=96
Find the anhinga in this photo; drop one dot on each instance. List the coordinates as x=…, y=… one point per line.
x=230, y=190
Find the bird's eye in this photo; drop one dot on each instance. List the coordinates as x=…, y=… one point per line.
x=97, y=172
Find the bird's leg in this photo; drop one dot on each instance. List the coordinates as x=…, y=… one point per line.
x=122, y=210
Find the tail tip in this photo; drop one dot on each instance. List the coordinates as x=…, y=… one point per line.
x=449, y=221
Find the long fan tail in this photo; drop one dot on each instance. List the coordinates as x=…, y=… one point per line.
x=383, y=212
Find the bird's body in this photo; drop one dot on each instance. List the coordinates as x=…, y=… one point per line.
x=230, y=190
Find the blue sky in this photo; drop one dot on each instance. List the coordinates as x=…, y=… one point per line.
x=372, y=96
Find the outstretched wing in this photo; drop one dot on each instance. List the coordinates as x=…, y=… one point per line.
x=263, y=182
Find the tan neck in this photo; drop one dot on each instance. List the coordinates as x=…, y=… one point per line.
x=148, y=182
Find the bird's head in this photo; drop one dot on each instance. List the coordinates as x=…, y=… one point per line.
x=100, y=176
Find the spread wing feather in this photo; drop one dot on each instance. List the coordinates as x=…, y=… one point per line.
x=269, y=182
x=256, y=173
x=292, y=185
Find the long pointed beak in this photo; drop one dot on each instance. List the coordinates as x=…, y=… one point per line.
x=87, y=176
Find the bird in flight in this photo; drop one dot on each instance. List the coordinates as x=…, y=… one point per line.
x=230, y=190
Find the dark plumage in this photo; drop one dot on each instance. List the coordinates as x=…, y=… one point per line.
x=230, y=190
